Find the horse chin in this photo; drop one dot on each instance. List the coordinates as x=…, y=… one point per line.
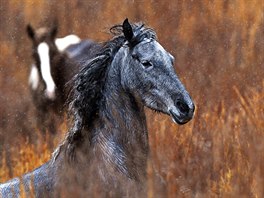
x=175, y=118
x=156, y=110
x=177, y=121
x=174, y=115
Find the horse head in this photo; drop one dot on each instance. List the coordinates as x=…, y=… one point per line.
x=43, y=50
x=148, y=74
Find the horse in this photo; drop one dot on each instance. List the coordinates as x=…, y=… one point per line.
x=106, y=149
x=56, y=61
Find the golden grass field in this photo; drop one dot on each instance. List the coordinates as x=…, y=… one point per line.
x=219, y=50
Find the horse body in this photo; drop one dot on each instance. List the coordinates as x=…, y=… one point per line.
x=105, y=152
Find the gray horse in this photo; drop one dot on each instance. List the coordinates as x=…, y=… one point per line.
x=105, y=152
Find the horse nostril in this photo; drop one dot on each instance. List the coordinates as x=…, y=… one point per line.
x=193, y=108
x=183, y=107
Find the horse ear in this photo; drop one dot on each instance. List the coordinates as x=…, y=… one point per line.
x=127, y=30
x=54, y=30
x=30, y=31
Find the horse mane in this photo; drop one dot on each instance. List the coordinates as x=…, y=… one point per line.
x=85, y=95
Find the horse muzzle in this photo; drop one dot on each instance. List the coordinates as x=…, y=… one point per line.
x=182, y=112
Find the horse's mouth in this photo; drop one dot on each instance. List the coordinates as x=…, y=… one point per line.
x=176, y=118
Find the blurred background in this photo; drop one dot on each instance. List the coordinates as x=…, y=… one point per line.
x=219, y=51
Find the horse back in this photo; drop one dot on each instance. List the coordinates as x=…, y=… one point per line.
x=83, y=50
x=38, y=183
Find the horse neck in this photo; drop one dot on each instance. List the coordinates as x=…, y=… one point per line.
x=122, y=140
x=115, y=144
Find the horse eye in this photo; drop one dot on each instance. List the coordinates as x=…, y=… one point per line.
x=135, y=56
x=146, y=64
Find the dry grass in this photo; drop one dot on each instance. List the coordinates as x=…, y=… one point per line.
x=219, y=50
x=26, y=156
x=220, y=153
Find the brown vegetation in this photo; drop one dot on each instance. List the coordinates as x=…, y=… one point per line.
x=219, y=52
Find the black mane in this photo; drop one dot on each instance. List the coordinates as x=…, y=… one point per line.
x=88, y=85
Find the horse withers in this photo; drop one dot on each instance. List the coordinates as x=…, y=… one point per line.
x=105, y=151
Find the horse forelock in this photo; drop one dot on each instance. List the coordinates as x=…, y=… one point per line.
x=42, y=33
x=139, y=30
